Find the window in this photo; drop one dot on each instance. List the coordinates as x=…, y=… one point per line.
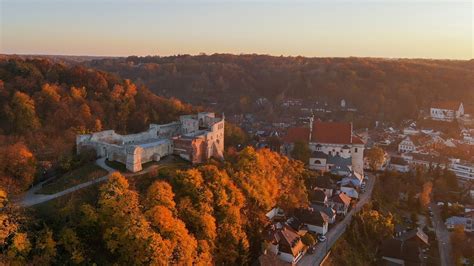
x=355, y=150
x=317, y=162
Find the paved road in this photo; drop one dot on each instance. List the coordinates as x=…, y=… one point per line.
x=442, y=234
x=31, y=198
x=333, y=235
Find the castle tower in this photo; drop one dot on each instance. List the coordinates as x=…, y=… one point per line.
x=134, y=158
x=357, y=152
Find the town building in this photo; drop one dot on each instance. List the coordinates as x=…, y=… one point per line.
x=195, y=138
x=315, y=221
x=334, y=146
x=463, y=170
x=425, y=160
x=340, y=203
x=466, y=222
x=397, y=252
x=285, y=243
x=446, y=110
x=398, y=164
x=406, y=145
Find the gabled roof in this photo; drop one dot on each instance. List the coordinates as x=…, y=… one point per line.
x=332, y=132
x=398, y=161
x=324, y=182
x=319, y=155
x=317, y=195
x=330, y=212
x=290, y=241
x=337, y=160
x=446, y=105
x=415, y=233
x=295, y=134
x=342, y=198
x=406, y=251
x=312, y=217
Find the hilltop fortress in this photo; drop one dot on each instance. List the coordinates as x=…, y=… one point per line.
x=195, y=138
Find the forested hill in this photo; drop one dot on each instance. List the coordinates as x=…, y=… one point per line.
x=212, y=214
x=392, y=89
x=43, y=105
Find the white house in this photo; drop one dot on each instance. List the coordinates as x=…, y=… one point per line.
x=410, y=131
x=336, y=139
x=316, y=221
x=285, y=243
x=446, y=110
x=406, y=145
x=334, y=146
x=463, y=170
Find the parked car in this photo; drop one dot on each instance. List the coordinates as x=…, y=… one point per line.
x=321, y=238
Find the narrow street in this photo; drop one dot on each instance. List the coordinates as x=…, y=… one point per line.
x=442, y=234
x=336, y=232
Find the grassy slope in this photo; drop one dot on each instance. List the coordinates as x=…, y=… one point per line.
x=80, y=175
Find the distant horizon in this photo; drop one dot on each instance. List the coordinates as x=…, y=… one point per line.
x=431, y=29
x=234, y=54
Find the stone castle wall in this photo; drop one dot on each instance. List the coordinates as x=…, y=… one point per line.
x=197, y=138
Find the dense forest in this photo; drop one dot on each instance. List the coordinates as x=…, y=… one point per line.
x=209, y=214
x=389, y=89
x=45, y=104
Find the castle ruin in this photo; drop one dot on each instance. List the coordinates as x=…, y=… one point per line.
x=195, y=138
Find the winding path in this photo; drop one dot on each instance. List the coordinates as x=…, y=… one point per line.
x=333, y=235
x=31, y=198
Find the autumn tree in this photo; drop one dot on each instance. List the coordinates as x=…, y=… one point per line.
x=160, y=193
x=21, y=113
x=7, y=219
x=425, y=196
x=127, y=233
x=375, y=156
x=72, y=245
x=45, y=248
x=18, y=163
x=234, y=135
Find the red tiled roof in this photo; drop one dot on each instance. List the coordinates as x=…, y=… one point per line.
x=447, y=105
x=342, y=198
x=296, y=134
x=332, y=132
x=357, y=140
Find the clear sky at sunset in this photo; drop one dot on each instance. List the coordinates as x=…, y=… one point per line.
x=383, y=28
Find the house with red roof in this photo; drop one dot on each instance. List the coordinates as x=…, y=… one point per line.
x=446, y=110
x=339, y=144
x=334, y=146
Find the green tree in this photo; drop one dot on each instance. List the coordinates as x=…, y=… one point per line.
x=301, y=152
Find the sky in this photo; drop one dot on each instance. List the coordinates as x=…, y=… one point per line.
x=325, y=28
